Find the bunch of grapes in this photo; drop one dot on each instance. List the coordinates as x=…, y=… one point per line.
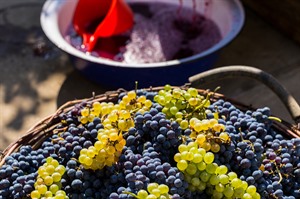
x=47, y=184
x=116, y=119
x=154, y=191
x=174, y=143
x=203, y=174
x=257, y=150
x=182, y=105
x=189, y=109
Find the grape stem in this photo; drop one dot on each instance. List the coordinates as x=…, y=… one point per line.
x=275, y=118
x=129, y=193
x=280, y=176
x=136, y=86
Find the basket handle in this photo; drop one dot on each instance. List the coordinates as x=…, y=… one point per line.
x=253, y=73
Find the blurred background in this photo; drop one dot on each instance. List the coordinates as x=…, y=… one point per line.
x=36, y=77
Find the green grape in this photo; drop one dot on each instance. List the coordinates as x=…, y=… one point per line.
x=163, y=188
x=155, y=192
x=194, y=150
x=182, y=165
x=167, y=87
x=208, y=158
x=201, y=186
x=239, y=192
x=168, y=97
x=224, y=179
x=184, y=124
x=184, y=155
x=60, y=169
x=193, y=101
x=48, y=194
x=195, y=181
x=56, y=177
x=231, y=175
x=190, y=156
x=224, y=136
x=191, y=169
x=228, y=191
x=187, y=96
x=197, y=158
x=213, y=180
x=173, y=110
x=179, y=115
x=177, y=157
x=193, y=92
x=192, y=145
x=182, y=148
x=211, y=168
x=142, y=194
x=59, y=196
x=222, y=169
x=219, y=187
x=256, y=196
x=54, y=188
x=48, y=180
x=236, y=183
x=163, y=197
x=131, y=95
x=151, y=186
x=209, y=189
x=201, y=166
x=50, y=168
x=177, y=93
x=151, y=196
x=246, y=196
x=244, y=185
x=251, y=190
x=202, y=151
x=42, y=189
x=204, y=176
x=35, y=194
x=180, y=104
x=85, y=112
x=217, y=195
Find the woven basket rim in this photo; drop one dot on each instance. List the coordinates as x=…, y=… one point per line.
x=46, y=127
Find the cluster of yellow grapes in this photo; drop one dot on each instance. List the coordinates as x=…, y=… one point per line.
x=189, y=109
x=203, y=174
x=47, y=184
x=154, y=191
x=182, y=105
x=116, y=119
x=208, y=133
x=106, y=150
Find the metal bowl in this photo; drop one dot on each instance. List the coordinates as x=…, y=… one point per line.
x=56, y=17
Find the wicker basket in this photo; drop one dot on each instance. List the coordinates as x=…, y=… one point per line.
x=46, y=127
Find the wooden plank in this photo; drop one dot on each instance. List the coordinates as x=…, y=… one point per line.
x=284, y=15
